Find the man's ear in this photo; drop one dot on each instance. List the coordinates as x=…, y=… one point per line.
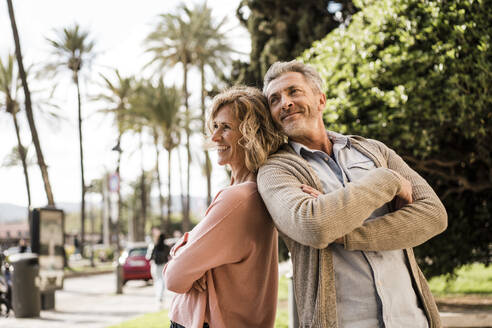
x=321, y=101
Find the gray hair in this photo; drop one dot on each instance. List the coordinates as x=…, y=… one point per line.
x=278, y=68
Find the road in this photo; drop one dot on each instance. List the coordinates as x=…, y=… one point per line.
x=91, y=302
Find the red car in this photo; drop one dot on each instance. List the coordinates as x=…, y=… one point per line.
x=135, y=265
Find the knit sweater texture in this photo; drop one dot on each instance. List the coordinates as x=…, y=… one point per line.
x=308, y=225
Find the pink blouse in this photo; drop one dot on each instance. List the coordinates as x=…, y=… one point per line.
x=235, y=247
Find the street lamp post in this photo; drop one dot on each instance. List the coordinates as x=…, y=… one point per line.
x=114, y=186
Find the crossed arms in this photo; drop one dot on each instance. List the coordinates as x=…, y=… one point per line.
x=317, y=222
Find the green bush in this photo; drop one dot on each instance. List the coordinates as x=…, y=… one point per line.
x=417, y=76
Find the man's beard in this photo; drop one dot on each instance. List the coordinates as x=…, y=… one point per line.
x=295, y=128
x=301, y=125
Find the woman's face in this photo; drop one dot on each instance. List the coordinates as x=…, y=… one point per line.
x=226, y=135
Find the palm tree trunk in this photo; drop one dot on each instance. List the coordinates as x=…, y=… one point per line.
x=161, y=199
x=186, y=211
x=169, y=199
x=208, y=167
x=183, y=200
x=82, y=203
x=118, y=219
x=29, y=113
x=143, y=197
x=22, y=154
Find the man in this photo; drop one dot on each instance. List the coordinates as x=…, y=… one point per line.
x=350, y=210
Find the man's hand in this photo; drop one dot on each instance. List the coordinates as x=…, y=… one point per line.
x=315, y=193
x=310, y=191
x=201, y=284
x=404, y=197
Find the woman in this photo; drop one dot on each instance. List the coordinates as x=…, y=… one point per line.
x=225, y=269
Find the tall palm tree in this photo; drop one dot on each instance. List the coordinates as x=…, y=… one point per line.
x=28, y=108
x=138, y=125
x=9, y=87
x=159, y=106
x=72, y=48
x=212, y=50
x=117, y=94
x=171, y=43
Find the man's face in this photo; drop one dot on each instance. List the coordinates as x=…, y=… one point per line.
x=295, y=107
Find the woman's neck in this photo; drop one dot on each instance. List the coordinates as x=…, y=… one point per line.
x=242, y=175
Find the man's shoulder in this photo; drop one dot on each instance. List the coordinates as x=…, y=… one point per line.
x=372, y=144
x=284, y=158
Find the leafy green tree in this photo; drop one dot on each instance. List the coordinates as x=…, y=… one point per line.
x=417, y=76
x=281, y=30
x=72, y=49
x=28, y=107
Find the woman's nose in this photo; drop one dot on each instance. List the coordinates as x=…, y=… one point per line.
x=216, y=135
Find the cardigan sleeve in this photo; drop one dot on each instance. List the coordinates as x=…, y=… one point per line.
x=317, y=222
x=220, y=238
x=407, y=227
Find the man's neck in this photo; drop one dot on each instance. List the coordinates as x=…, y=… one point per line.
x=317, y=141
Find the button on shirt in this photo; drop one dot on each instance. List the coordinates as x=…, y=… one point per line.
x=374, y=289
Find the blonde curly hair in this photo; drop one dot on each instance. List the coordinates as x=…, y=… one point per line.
x=259, y=138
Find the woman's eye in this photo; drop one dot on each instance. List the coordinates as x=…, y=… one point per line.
x=273, y=100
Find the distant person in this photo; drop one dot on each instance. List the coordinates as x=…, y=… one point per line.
x=76, y=245
x=22, y=246
x=350, y=210
x=158, y=257
x=225, y=270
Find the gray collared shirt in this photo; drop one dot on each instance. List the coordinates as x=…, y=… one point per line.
x=374, y=289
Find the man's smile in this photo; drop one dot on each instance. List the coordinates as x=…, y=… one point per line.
x=288, y=115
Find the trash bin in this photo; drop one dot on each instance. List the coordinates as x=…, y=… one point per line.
x=26, y=300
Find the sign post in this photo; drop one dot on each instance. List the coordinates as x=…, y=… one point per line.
x=48, y=241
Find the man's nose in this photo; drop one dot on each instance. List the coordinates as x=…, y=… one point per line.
x=286, y=102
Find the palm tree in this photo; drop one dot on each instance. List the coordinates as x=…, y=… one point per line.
x=28, y=108
x=212, y=50
x=9, y=87
x=171, y=43
x=159, y=106
x=72, y=48
x=117, y=94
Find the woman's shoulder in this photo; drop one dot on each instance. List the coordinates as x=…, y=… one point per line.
x=239, y=192
x=237, y=200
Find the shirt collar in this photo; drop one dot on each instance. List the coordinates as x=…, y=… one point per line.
x=335, y=138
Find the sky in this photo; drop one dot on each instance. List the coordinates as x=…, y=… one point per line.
x=118, y=28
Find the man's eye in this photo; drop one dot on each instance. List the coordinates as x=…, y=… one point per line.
x=273, y=100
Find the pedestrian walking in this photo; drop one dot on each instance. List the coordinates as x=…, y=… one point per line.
x=158, y=258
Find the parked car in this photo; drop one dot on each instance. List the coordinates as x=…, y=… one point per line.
x=135, y=265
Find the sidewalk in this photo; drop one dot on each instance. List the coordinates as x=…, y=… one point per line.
x=91, y=302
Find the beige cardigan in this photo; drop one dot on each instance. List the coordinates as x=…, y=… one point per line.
x=308, y=225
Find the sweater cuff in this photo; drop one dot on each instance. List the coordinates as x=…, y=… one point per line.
x=398, y=176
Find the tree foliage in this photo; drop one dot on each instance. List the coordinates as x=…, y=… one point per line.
x=417, y=76
x=281, y=30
